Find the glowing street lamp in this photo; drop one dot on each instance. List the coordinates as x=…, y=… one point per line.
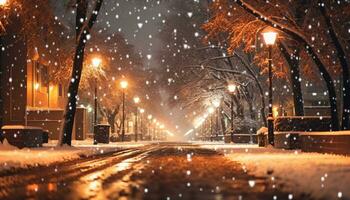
x=232, y=89
x=216, y=103
x=270, y=37
x=123, y=85
x=136, y=101
x=3, y=3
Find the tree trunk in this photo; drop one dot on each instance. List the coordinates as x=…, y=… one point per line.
x=261, y=91
x=299, y=38
x=293, y=64
x=222, y=122
x=111, y=121
x=82, y=32
x=1, y=90
x=344, y=65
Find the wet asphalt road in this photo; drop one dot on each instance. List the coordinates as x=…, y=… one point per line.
x=158, y=171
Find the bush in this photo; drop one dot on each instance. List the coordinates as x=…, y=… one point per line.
x=303, y=123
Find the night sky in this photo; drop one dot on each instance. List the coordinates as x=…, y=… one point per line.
x=139, y=21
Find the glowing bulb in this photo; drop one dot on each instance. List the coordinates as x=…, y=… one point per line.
x=96, y=62
x=270, y=37
x=123, y=84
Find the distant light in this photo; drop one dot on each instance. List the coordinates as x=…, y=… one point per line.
x=96, y=62
x=211, y=110
x=149, y=117
x=37, y=86
x=216, y=103
x=142, y=110
x=123, y=84
x=232, y=88
x=137, y=100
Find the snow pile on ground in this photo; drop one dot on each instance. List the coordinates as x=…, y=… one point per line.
x=13, y=158
x=320, y=175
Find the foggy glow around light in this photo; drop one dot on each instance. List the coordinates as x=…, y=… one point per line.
x=37, y=86
x=232, y=88
x=136, y=100
x=3, y=2
x=123, y=84
x=216, y=103
x=275, y=111
x=211, y=110
x=142, y=110
x=96, y=62
x=199, y=121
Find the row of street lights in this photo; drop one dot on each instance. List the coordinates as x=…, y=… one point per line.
x=96, y=63
x=270, y=37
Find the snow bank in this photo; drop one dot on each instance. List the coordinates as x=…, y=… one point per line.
x=13, y=158
x=320, y=175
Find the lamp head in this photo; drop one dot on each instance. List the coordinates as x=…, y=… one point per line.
x=232, y=88
x=96, y=61
x=270, y=37
x=123, y=84
x=3, y=2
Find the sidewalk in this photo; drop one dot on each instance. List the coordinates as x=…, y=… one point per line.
x=320, y=175
x=12, y=158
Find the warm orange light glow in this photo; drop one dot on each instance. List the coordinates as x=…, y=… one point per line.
x=216, y=103
x=142, y=110
x=96, y=62
x=232, y=88
x=3, y=2
x=123, y=84
x=270, y=37
x=149, y=117
x=211, y=110
x=137, y=100
x=36, y=86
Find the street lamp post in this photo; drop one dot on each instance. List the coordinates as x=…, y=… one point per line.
x=96, y=62
x=136, y=101
x=123, y=85
x=270, y=39
x=141, y=130
x=232, y=89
